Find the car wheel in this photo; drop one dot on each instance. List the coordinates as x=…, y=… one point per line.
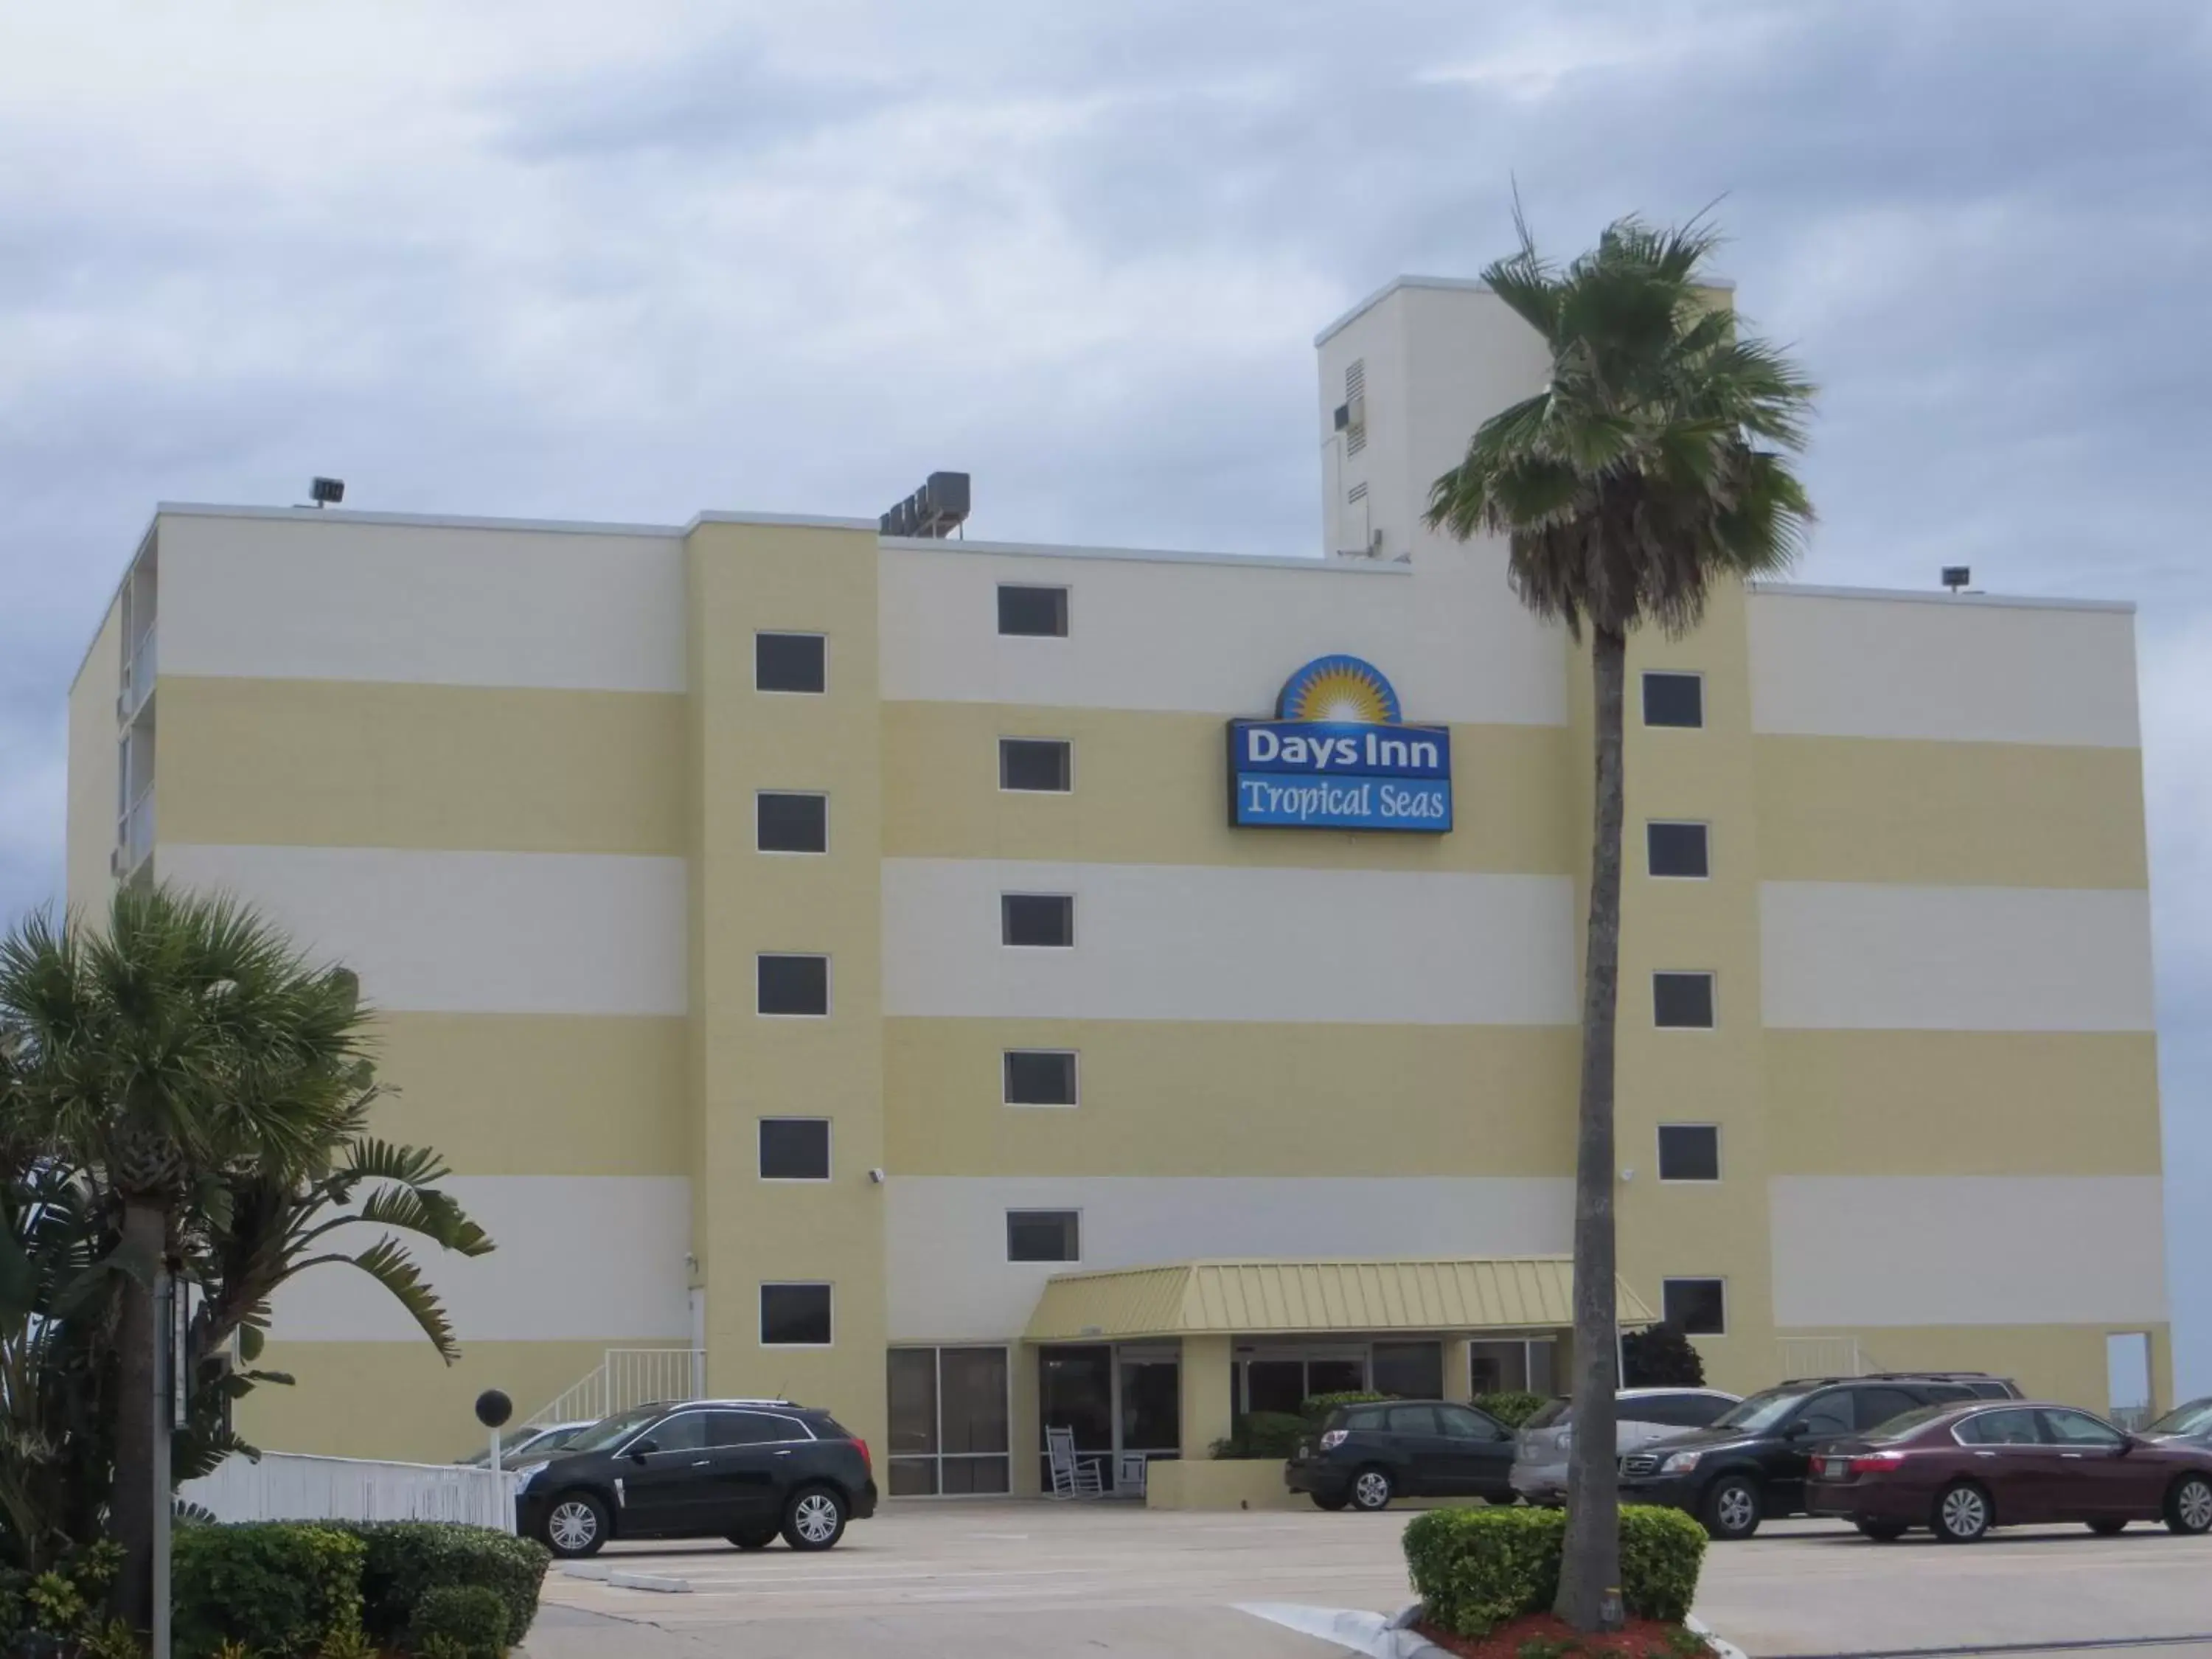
x=814, y=1519
x=1883, y=1532
x=1731, y=1508
x=575, y=1525
x=758, y=1539
x=2188, y=1505
x=2112, y=1526
x=1371, y=1490
x=1962, y=1513
x=1332, y=1502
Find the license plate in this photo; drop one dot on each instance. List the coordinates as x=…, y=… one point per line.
x=1835, y=1467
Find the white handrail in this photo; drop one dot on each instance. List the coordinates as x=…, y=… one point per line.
x=625, y=1377
x=298, y=1487
x=1825, y=1356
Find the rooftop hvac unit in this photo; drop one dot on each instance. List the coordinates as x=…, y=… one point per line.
x=935, y=510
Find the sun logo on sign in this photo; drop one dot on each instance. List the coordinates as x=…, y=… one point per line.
x=1340, y=691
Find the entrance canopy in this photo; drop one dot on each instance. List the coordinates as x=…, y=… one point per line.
x=1283, y=1298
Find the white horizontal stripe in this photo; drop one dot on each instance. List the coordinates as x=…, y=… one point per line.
x=1182, y=942
x=946, y=1236
x=470, y=933
x=1217, y=638
x=283, y=598
x=1828, y=667
x=1876, y=1250
x=580, y=1258
x=1849, y=955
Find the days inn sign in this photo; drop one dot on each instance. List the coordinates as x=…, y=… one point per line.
x=1338, y=756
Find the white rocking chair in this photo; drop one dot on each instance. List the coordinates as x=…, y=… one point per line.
x=1072, y=1475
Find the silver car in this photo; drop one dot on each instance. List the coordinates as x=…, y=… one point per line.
x=1540, y=1451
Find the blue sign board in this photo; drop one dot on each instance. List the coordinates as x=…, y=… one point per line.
x=1338, y=756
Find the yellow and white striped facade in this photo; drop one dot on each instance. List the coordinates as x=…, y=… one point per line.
x=507, y=771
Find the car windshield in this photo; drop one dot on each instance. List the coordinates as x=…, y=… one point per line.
x=610, y=1432
x=2194, y=1418
x=1906, y=1423
x=1762, y=1410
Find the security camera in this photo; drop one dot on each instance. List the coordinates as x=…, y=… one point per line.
x=876, y=1177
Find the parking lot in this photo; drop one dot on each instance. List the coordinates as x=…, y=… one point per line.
x=1040, y=1581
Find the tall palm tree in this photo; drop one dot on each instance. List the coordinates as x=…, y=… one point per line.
x=1652, y=467
x=185, y=1042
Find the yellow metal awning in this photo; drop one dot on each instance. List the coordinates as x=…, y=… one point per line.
x=1293, y=1298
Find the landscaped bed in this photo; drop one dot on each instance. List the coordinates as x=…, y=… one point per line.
x=1546, y=1636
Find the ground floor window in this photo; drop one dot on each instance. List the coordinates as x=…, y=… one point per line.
x=1118, y=1400
x=948, y=1422
x=1510, y=1367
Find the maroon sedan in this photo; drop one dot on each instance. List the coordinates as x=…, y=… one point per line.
x=1959, y=1470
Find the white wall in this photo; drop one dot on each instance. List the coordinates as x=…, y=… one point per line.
x=1964, y=671
x=481, y=933
x=946, y=1236
x=580, y=1258
x=284, y=598
x=1842, y=955
x=1874, y=1250
x=1186, y=942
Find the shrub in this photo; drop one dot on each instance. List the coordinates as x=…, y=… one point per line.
x=1661, y=1357
x=472, y=1617
x=1263, y=1435
x=1512, y=1406
x=1317, y=1408
x=407, y=1559
x=1476, y=1569
x=273, y=1586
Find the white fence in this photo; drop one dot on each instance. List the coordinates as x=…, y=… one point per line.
x=1825, y=1356
x=289, y=1486
x=625, y=1377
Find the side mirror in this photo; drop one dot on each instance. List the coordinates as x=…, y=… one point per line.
x=1796, y=1431
x=641, y=1450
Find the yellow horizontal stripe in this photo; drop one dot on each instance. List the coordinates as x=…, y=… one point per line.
x=2049, y=1362
x=1153, y=789
x=1962, y=1102
x=530, y=1094
x=1949, y=814
x=346, y=763
x=1170, y=1099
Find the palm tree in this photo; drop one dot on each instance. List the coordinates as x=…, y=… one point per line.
x=183, y=1048
x=1649, y=468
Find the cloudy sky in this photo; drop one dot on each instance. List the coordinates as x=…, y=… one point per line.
x=588, y=261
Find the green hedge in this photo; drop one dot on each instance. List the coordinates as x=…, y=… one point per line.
x=1512, y=1407
x=472, y=1617
x=407, y=1558
x=278, y=1587
x=1263, y=1435
x=1476, y=1569
x=1320, y=1405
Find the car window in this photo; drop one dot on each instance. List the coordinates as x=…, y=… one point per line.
x=1413, y=1419
x=1463, y=1423
x=2194, y=1418
x=1759, y=1413
x=2001, y=1429
x=1876, y=1406
x=2080, y=1429
x=1675, y=1411
x=685, y=1431
x=747, y=1429
x=1369, y=1417
x=613, y=1431
x=1701, y=1411
x=1827, y=1413
x=1990, y=1389
x=1554, y=1413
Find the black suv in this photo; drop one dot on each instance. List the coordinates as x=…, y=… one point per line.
x=1751, y=1463
x=741, y=1469
x=1366, y=1454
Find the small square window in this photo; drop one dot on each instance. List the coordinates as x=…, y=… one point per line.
x=1037, y=612
x=1676, y=849
x=1040, y=1076
x=1682, y=1002
x=791, y=824
x=1673, y=699
x=794, y=1149
x=1689, y=1151
x=1697, y=1307
x=1037, y=919
x=795, y=985
x=1043, y=1236
x=1042, y=765
x=790, y=662
x=794, y=1316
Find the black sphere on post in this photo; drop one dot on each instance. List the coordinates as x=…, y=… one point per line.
x=494, y=1408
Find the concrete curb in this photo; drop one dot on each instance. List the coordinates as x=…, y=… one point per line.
x=1721, y=1645
x=1369, y=1633
x=601, y=1571
x=650, y=1581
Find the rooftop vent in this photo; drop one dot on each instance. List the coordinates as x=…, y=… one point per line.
x=326, y=492
x=937, y=509
x=1956, y=576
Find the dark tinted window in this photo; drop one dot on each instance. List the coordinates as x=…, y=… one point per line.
x=1696, y=1306
x=1413, y=1419
x=1046, y=764
x=1675, y=849
x=1033, y=610
x=1989, y=1388
x=795, y=985
x=794, y=1149
x=1043, y=1236
x=2001, y=1429
x=789, y=662
x=1674, y=1410
x=1362, y=1417
x=1682, y=1002
x=1040, y=1078
x=685, y=1433
x=792, y=823
x=1702, y=1411
x=1462, y=1423
x=794, y=1315
x=1876, y=1406
x=1044, y=919
x=1689, y=1151
x=1673, y=700
x=1411, y=1370
x=1828, y=1413
x=749, y=1429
